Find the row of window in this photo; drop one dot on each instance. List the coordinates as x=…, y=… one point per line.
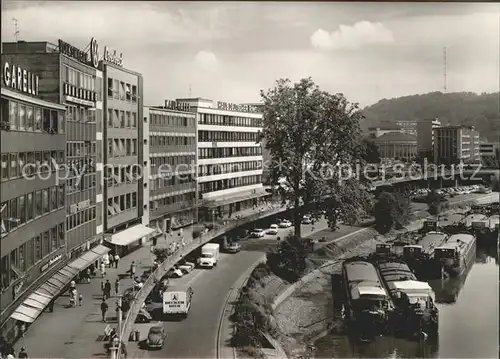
x=172, y=140
x=168, y=201
x=162, y=163
x=22, y=117
x=121, y=90
x=118, y=204
x=80, y=114
x=215, y=169
x=172, y=120
x=82, y=217
x=79, y=79
x=30, y=253
x=119, y=147
x=16, y=165
x=21, y=210
x=220, y=185
x=224, y=120
x=225, y=136
x=78, y=167
x=204, y=153
x=122, y=174
x=121, y=119
x=80, y=148
x=80, y=183
x=170, y=181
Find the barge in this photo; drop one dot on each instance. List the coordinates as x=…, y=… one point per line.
x=415, y=314
x=456, y=255
x=367, y=305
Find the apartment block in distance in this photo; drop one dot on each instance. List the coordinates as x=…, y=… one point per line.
x=425, y=134
x=172, y=170
x=32, y=214
x=456, y=144
x=229, y=157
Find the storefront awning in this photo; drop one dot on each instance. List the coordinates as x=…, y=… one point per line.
x=214, y=203
x=36, y=302
x=89, y=257
x=128, y=236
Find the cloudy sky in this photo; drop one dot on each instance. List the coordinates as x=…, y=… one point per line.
x=230, y=51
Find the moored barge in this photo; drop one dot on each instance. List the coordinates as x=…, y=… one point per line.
x=367, y=303
x=415, y=312
x=457, y=254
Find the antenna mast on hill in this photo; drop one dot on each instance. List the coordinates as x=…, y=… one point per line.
x=445, y=70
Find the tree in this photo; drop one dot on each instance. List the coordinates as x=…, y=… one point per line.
x=372, y=154
x=312, y=137
x=391, y=210
x=288, y=261
x=434, y=202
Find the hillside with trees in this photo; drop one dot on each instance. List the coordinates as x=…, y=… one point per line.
x=467, y=108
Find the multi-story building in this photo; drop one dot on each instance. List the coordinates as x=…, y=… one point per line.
x=408, y=127
x=456, y=144
x=229, y=157
x=425, y=135
x=489, y=149
x=172, y=147
x=382, y=129
x=69, y=76
x=397, y=145
x=32, y=217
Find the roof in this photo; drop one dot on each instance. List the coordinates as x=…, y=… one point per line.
x=177, y=288
x=476, y=217
x=457, y=241
x=385, y=126
x=411, y=285
x=396, y=136
x=361, y=271
x=360, y=291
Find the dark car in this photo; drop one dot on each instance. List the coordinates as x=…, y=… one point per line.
x=156, y=338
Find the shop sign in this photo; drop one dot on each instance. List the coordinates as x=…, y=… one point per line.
x=19, y=79
x=80, y=206
x=79, y=94
x=75, y=53
x=174, y=105
x=112, y=56
x=226, y=106
x=51, y=262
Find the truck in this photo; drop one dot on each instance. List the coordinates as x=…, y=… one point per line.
x=177, y=300
x=209, y=255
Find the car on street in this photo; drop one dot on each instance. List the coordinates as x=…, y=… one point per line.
x=257, y=233
x=156, y=338
x=174, y=273
x=285, y=224
x=233, y=248
x=186, y=267
x=273, y=229
x=306, y=219
x=143, y=316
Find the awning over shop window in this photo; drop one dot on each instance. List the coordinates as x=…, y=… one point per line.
x=89, y=257
x=216, y=202
x=128, y=236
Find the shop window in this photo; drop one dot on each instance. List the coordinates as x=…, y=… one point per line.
x=4, y=162
x=45, y=201
x=30, y=120
x=38, y=119
x=45, y=243
x=13, y=115
x=53, y=238
x=22, y=117
x=38, y=248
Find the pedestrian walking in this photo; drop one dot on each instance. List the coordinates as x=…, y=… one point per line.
x=22, y=353
x=117, y=259
x=117, y=286
x=80, y=299
x=107, y=289
x=103, y=269
x=132, y=269
x=75, y=297
x=104, y=309
x=111, y=260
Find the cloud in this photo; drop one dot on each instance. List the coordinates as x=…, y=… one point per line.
x=206, y=60
x=352, y=37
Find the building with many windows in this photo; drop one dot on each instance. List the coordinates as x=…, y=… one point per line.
x=172, y=170
x=425, y=135
x=456, y=144
x=408, y=127
x=32, y=212
x=229, y=157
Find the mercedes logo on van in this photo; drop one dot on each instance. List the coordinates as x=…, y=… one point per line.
x=94, y=52
x=174, y=297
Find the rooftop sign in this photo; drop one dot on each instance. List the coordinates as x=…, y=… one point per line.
x=226, y=106
x=92, y=57
x=21, y=80
x=174, y=105
x=112, y=56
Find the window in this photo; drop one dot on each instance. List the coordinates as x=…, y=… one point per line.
x=14, y=169
x=29, y=254
x=22, y=262
x=110, y=87
x=38, y=119
x=4, y=166
x=127, y=119
x=110, y=117
x=30, y=120
x=134, y=93
x=122, y=119
x=61, y=235
x=46, y=120
x=60, y=122
x=134, y=147
x=14, y=213
x=61, y=196
x=122, y=91
x=22, y=117
x=53, y=198
x=22, y=209
x=134, y=200
x=53, y=238
x=45, y=243
x=29, y=207
x=116, y=85
x=38, y=248
x=127, y=92
x=38, y=204
x=13, y=115
x=45, y=201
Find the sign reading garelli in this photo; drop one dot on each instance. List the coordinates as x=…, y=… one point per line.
x=19, y=79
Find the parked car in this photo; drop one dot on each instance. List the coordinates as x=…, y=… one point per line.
x=285, y=224
x=186, y=267
x=233, y=248
x=273, y=229
x=257, y=233
x=174, y=273
x=306, y=219
x=156, y=338
x=143, y=316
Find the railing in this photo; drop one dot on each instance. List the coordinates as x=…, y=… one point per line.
x=156, y=276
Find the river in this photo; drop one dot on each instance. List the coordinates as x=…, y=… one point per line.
x=468, y=321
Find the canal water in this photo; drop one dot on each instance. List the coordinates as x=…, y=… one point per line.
x=468, y=321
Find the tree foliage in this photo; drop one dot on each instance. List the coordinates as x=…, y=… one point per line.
x=392, y=210
x=434, y=202
x=311, y=136
x=162, y=253
x=288, y=260
x=371, y=151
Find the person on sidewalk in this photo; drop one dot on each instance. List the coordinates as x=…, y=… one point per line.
x=103, y=269
x=117, y=259
x=132, y=269
x=22, y=353
x=117, y=286
x=107, y=289
x=104, y=309
x=111, y=261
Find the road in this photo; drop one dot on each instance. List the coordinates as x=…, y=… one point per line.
x=195, y=336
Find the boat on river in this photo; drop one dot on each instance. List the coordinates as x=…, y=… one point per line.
x=415, y=312
x=367, y=303
x=457, y=254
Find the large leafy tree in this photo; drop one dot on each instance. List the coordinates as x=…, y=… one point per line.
x=313, y=139
x=288, y=260
x=372, y=153
x=392, y=210
x=434, y=202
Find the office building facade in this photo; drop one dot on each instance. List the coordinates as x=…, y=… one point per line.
x=172, y=177
x=229, y=157
x=425, y=135
x=408, y=127
x=32, y=218
x=456, y=144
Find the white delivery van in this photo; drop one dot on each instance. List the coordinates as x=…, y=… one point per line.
x=209, y=255
x=177, y=300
